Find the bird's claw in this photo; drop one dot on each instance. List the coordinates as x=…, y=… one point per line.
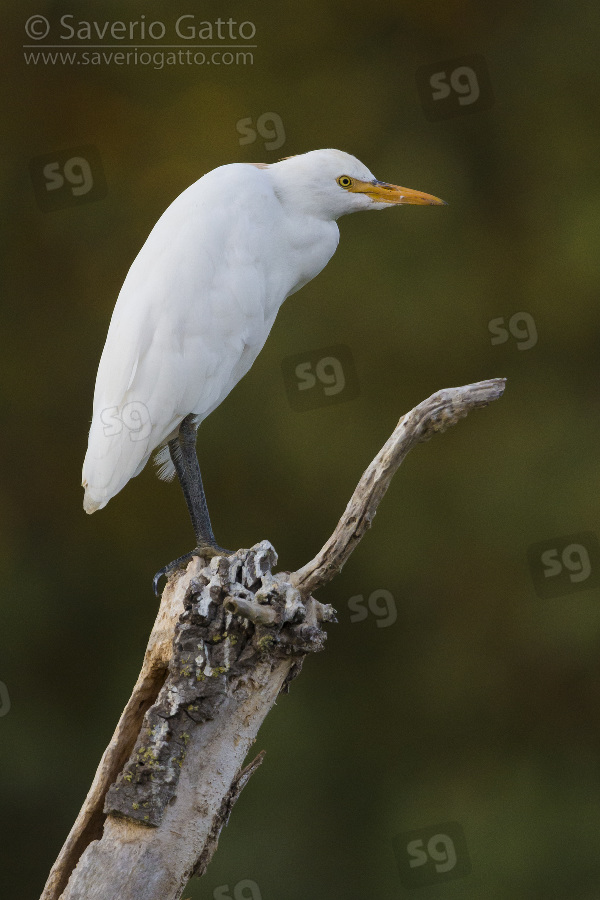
x=207, y=551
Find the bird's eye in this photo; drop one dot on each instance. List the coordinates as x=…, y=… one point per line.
x=344, y=181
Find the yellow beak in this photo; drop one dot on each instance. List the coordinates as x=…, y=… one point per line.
x=381, y=192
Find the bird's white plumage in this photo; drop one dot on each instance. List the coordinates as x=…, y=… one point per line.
x=200, y=298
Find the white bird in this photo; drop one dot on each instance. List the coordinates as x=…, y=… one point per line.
x=197, y=306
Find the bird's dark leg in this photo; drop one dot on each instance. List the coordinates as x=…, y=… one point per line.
x=185, y=459
x=182, y=450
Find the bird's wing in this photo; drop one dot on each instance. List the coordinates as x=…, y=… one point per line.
x=193, y=313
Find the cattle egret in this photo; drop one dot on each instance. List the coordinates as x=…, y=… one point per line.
x=197, y=306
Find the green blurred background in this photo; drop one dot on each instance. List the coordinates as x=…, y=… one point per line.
x=479, y=703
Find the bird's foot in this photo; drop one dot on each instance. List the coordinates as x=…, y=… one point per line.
x=205, y=551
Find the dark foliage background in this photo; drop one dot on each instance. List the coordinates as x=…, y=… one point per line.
x=479, y=703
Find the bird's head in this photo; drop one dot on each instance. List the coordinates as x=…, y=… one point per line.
x=330, y=184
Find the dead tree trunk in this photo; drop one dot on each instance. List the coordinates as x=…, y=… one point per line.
x=228, y=638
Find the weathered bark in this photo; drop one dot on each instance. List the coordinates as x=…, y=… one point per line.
x=228, y=638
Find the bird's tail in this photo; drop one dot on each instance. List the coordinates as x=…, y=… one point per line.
x=91, y=502
x=114, y=455
x=164, y=463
